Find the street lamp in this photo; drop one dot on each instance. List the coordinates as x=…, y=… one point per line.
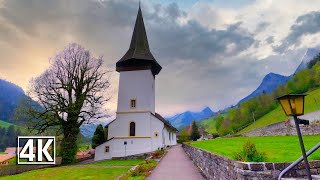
x=293, y=105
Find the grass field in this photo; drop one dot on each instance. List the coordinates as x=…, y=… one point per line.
x=312, y=103
x=99, y=170
x=277, y=149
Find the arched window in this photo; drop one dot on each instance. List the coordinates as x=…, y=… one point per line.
x=132, y=129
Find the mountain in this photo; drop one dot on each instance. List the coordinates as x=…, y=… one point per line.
x=308, y=56
x=183, y=119
x=10, y=95
x=88, y=130
x=269, y=83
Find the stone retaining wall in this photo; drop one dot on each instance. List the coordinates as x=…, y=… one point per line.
x=136, y=156
x=284, y=129
x=216, y=166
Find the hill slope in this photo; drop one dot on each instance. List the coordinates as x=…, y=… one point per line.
x=209, y=125
x=9, y=98
x=5, y=124
x=271, y=81
x=312, y=103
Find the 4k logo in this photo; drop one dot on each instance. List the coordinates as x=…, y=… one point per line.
x=36, y=150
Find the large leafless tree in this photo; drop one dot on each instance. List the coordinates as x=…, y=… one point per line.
x=72, y=91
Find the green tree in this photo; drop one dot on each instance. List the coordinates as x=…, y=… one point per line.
x=195, y=132
x=11, y=136
x=183, y=136
x=98, y=137
x=219, y=120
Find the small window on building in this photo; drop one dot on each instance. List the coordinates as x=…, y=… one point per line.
x=132, y=129
x=107, y=149
x=155, y=134
x=133, y=103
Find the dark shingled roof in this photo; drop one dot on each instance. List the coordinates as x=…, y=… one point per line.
x=166, y=123
x=139, y=57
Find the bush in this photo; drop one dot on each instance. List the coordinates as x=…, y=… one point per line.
x=183, y=136
x=157, y=154
x=249, y=153
x=215, y=135
x=142, y=170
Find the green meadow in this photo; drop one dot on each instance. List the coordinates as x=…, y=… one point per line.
x=277, y=148
x=110, y=169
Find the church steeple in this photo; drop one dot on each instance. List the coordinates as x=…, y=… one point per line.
x=139, y=56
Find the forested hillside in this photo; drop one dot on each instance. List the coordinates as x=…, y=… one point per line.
x=10, y=95
x=8, y=136
x=245, y=114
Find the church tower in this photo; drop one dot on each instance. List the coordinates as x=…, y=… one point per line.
x=137, y=128
x=137, y=69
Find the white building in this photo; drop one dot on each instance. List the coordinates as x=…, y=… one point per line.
x=137, y=128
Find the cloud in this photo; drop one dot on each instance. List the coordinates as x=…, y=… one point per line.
x=210, y=55
x=261, y=27
x=304, y=25
x=270, y=40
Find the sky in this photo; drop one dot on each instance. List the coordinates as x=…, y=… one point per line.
x=213, y=53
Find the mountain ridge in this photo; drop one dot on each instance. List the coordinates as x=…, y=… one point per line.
x=272, y=80
x=268, y=84
x=182, y=119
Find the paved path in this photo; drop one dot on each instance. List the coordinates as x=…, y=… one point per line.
x=176, y=165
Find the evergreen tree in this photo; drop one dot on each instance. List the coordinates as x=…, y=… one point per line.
x=194, y=133
x=98, y=137
x=11, y=137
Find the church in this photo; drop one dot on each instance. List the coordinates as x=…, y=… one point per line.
x=137, y=128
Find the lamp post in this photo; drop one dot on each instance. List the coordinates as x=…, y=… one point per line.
x=293, y=105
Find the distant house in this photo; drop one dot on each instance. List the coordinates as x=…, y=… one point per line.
x=85, y=154
x=5, y=158
x=13, y=150
x=204, y=135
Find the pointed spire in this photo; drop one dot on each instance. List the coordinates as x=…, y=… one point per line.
x=139, y=49
x=139, y=40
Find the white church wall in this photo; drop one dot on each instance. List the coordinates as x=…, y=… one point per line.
x=134, y=146
x=100, y=151
x=174, y=141
x=166, y=137
x=120, y=127
x=156, y=127
x=118, y=149
x=139, y=85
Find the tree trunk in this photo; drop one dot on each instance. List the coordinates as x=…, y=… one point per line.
x=69, y=143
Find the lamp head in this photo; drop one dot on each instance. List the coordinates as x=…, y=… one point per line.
x=292, y=104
